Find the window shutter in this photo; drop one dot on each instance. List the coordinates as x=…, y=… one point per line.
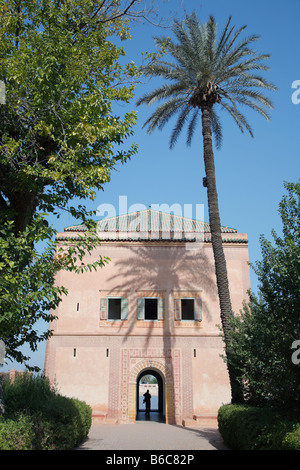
x=124, y=308
x=177, y=309
x=198, y=309
x=103, y=309
x=140, y=309
x=160, y=308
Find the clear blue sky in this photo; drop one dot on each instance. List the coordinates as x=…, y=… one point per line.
x=250, y=172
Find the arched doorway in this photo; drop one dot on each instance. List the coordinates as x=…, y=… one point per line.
x=156, y=389
x=167, y=390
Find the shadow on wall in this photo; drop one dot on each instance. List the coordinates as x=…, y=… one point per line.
x=171, y=269
x=148, y=268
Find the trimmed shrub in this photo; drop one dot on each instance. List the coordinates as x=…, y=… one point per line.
x=61, y=424
x=245, y=427
x=57, y=422
x=292, y=439
x=16, y=434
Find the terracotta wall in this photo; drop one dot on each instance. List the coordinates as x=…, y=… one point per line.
x=99, y=360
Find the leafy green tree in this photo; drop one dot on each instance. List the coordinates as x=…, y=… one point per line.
x=60, y=137
x=149, y=379
x=59, y=134
x=207, y=72
x=264, y=334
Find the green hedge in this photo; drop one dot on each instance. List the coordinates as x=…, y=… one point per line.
x=16, y=434
x=246, y=427
x=39, y=418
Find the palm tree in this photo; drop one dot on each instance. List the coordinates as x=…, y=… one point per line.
x=208, y=72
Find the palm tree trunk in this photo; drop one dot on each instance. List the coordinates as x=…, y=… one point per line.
x=217, y=245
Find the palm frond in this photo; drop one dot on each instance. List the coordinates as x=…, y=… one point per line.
x=197, y=40
x=238, y=118
x=184, y=53
x=179, y=125
x=225, y=35
x=217, y=129
x=166, y=91
x=162, y=114
x=192, y=126
x=241, y=93
x=230, y=40
x=211, y=39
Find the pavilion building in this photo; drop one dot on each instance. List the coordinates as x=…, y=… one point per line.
x=153, y=309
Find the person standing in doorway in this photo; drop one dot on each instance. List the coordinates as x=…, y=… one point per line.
x=147, y=400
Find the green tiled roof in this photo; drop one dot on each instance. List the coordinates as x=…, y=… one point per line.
x=150, y=220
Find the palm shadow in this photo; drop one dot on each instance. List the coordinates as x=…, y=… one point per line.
x=152, y=268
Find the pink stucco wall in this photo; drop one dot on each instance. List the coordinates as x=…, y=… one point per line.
x=189, y=350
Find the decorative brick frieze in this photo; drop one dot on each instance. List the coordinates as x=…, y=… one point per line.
x=114, y=323
x=167, y=363
x=186, y=294
x=150, y=293
x=114, y=293
x=149, y=324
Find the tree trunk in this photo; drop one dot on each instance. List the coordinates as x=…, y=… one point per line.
x=217, y=245
x=23, y=205
x=2, y=407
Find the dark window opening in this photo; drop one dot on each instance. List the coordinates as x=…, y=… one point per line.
x=114, y=309
x=150, y=309
x=187, y=309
